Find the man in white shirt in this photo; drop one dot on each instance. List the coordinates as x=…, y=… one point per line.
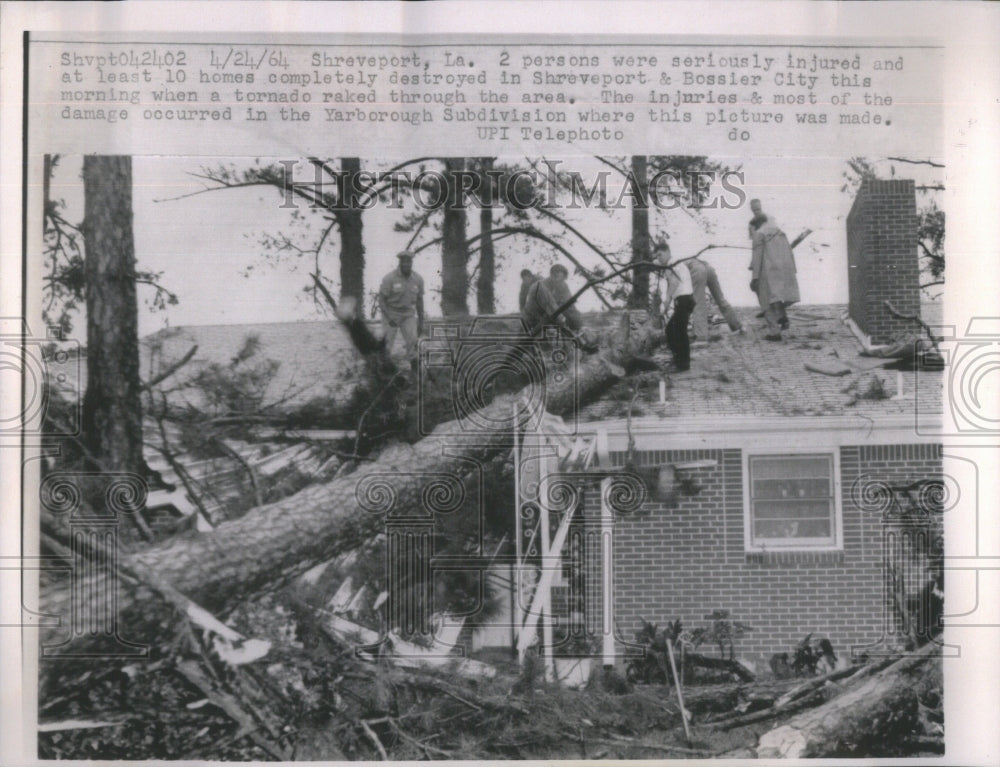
x=680, y=295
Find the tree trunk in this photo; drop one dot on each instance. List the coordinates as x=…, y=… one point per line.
x=349, y=223
x=454, y=249
x=271, y=544
x=869, y=720
x=112, y=412
x=719, y=664
x=486, y=281
x=639, y=297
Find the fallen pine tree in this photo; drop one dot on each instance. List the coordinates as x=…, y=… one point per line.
x=870, y=718
x=273, y=543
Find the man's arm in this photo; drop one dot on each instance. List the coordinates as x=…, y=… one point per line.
x=420, y=309
x=758, y=259
x=381, y=302
x=673, y=282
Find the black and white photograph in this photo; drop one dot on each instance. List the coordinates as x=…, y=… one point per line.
x=450, y=397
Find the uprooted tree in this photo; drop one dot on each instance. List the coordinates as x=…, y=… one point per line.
x=272, y=543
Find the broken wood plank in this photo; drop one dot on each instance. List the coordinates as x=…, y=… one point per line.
x=406, y=654
x=319, y=435
x=77, y=724
x=834, y=369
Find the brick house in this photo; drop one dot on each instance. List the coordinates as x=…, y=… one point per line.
x=792, y=482
x=797, y=482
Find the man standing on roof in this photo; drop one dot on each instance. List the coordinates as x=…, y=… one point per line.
x=401, y=299
x=703, y=276
x=528, y=278
x=774, y=279
x=679, y=291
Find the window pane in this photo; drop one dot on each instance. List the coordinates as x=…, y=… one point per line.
x=791, y=510
x=792, y=488
x=792, y=498
x=790, y=466
x=777, y=528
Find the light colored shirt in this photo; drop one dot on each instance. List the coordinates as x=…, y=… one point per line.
x=400, y=294
x=678, y=278
x=678, y=282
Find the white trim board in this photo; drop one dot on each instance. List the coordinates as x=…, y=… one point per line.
x=787, y=433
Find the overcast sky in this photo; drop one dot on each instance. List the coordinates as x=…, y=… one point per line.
x=208, y=246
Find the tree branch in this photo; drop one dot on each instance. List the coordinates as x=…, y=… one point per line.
x=914, y=318
x=528, y=232
x=159, y=378
x=611, y=164
x=653, y=266
x=916, y=162
x=574, y=230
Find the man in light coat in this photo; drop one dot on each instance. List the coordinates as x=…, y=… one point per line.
x=774, y=280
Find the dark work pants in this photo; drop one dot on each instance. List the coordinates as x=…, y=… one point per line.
x=677, y=331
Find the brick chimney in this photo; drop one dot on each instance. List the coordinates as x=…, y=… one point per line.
x=882, y=258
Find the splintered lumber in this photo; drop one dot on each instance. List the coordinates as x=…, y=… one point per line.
x=860, y=721
x=273, y=543
x=406, y=654
x=829, y=368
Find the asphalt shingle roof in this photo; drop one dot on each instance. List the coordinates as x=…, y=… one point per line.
x=746, y=375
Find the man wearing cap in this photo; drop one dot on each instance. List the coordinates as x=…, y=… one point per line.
x=758, y=213
x=774, y=279
x=401, y=299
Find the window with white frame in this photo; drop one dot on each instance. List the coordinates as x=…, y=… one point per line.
x=792, y=501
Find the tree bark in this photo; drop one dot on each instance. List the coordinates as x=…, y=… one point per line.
x=639, y=297
x=349, y=223
x=868, y=720
x=273, y=543
x=112, y=411
x=486, y=280
x=454, y=248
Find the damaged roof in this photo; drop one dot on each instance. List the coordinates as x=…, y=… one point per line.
x=745, y=375
x=731, y=375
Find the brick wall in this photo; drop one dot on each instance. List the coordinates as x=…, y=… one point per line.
x=882, y=257
x=687, y=560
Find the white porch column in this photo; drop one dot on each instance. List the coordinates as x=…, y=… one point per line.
x=607, y=578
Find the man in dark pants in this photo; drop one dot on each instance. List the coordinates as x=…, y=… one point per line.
x=680, y=292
